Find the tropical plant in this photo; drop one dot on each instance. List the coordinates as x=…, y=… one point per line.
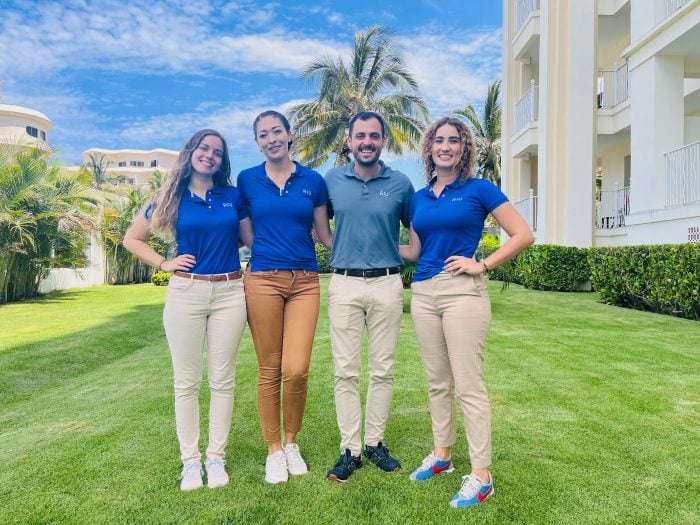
x=44, y=214
x=487, y=134
x=375, y=79
x=98, y=165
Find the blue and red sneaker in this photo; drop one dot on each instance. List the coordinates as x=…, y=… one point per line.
x=472, y=492
x=431, y=465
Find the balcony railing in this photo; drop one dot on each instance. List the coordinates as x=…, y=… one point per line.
x=613, y=86
x=683, y=175
x=527, y=207
x=612, y=206
x=672, y=6
x=523, y=8
x=526, y=107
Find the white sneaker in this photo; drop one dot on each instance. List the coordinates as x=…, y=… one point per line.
x=276, y=468
x=216, y=473
x=191, y=477
x=295, y=463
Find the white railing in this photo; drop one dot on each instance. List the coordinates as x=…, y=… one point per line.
x=526, y=107
x=527, y=207
x=612, y=206
x=613, y=86
x=523, y=8
x=672, y=6
x=683, y=175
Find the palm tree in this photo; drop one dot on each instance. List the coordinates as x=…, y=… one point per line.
x=487, y=134
x=98, y=166
x=376, y=79
x=44, y=213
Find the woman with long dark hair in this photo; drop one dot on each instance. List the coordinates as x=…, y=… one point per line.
x=285, y=201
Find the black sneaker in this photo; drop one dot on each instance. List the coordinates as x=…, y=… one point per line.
x=346, y=465
x=380, y=456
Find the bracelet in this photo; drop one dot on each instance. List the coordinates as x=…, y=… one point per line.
x=486, y=268
x=160, y=266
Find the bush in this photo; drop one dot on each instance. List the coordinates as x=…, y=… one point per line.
x=408, y=270
x=323, y=257
x=554, y=268
x=506, y=272
x=161, y=278
x=663, y=278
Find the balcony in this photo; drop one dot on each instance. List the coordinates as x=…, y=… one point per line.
x=671, y=6
x=613, y=86
x=524, y=140
x=527, y=31
x=527, y=208
x=612, y=207
x=683, y=175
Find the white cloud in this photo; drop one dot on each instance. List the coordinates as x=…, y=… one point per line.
x=154, y=37
x=453, y=69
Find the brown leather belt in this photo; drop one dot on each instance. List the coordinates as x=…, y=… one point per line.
x=231, y=276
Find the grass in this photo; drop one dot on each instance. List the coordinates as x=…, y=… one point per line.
x=595, y=420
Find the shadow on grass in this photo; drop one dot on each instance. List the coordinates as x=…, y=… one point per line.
x=31, y=368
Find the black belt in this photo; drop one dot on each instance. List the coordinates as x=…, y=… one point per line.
x=373, y=272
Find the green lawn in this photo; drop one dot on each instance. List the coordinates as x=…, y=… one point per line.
x=596, y=414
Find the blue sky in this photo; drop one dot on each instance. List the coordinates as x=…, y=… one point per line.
x=131, y=74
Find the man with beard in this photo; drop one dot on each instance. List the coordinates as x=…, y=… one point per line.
x=368, y=200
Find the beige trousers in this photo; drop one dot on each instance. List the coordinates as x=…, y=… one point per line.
x=452, y=316
x=199, y=313
x=353, y=304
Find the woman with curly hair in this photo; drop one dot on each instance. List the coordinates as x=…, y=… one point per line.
x=450, y=306
x=205, y=304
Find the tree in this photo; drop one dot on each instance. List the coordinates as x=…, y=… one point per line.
x=44, y=213
x=376, y=79
x=487, y=134
x=98, y=166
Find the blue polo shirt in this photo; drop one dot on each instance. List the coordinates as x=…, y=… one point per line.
x=367, y=216
x=451, y=224
x=209, y=229
x=282, y=218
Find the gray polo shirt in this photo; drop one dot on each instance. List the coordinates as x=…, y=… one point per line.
x=367, y=216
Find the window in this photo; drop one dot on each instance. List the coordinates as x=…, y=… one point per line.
x=43, y=135
x=154, y=164
x=122, y=164
x=32, y=131
x=136, y=163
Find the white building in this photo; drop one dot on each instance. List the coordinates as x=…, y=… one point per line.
x=601, y=119
x=24, y=126
x=135, y=166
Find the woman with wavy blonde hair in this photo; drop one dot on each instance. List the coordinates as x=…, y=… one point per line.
x=200, y=209
x=450, y=306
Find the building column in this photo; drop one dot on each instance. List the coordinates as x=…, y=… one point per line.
x=657, y=127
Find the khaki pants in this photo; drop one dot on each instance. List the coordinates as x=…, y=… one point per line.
x=283, y=310
x=199, y=312
x=452, y=316
x=353, y=304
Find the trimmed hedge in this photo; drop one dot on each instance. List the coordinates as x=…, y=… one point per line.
x=553, y=268
x=323, y=257
x=663, y=278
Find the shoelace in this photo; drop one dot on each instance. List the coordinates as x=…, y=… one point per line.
x=189, y=467
x=215, y=464
x=278, y=460
x=470, y=486
x=429, y=461
x=292, y=450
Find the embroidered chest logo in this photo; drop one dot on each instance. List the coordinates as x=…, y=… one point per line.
x=456, y=199
x=383, y=193
x=227, y=204
x=306, y=192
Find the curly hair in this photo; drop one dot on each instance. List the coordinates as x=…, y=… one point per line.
x=465, y=167
x=167, y=199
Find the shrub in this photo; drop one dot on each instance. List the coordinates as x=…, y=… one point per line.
x=161, y=278
x=323, y=257
x=407, y=271
x=554, y=268
x=663, y=278
x=506, y=272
